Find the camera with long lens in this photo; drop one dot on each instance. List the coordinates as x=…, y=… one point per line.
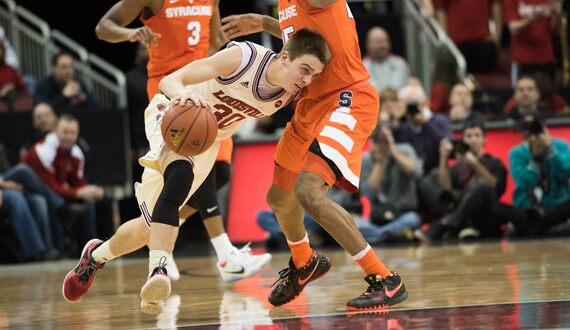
x=459, y=148
x=412, y=109
x=533, y=127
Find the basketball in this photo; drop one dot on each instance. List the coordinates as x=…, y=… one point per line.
x=189, y=130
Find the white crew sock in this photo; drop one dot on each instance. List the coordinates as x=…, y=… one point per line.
x=222, y=245
x=155, y=259
x=103, y=253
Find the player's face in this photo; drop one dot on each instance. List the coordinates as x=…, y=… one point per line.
x=67, y=133
x=300, y=72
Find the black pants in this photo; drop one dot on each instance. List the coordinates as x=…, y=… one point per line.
x=481, y=57
x=533, y=223
x=480, y=208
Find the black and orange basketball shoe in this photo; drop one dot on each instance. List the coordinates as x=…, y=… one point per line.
x=78, y=281
x=292, y=280
x=381, y=293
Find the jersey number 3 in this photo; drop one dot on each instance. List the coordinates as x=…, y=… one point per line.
x=194, y=28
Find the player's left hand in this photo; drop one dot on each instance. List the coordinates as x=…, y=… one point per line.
x=145, y=36
x=197, y=99
x=234, y=26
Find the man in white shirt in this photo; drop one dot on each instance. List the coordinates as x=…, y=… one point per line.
x=386, y=69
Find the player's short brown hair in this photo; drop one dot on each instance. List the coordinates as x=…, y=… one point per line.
x=307, y=41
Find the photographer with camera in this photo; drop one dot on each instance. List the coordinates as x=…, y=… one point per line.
x=540, y=167
x=419, y=126
x=471, y=188
x=389, y=174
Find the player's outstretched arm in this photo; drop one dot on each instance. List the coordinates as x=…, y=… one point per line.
x=222, y=63
x=217, y=38
x=235, y=26
x=111, y=27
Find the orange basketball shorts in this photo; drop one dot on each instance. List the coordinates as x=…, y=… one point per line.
x=226, y=146
x=326, y=137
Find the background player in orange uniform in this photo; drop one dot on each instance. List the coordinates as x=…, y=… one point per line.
x=177, y=33
x=322, y=146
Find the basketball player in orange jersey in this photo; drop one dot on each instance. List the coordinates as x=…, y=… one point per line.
x=176, y=33
x=242, y=81
x=322, y=146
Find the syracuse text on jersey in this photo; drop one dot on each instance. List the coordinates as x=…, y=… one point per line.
x=287, y=13
x=184, y=11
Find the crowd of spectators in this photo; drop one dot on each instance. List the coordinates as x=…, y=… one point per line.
x=421, y=181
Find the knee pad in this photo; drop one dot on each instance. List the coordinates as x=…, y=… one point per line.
x=178, y=178
x=205, y=200
x=223, y=173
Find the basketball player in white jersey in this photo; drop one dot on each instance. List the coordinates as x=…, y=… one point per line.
x=242, y=81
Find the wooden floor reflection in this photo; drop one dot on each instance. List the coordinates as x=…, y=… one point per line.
x=436, y=277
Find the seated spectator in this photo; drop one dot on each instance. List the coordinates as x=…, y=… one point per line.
x=461, y=102
x=44, y=121
x=467, y=24
x=526, y=97
x=419, y=127
x=388, y=180
x=62, y=89
x=540, y=167
x=43, y=202
x=13, y=207
x=549, y=100
x=471, y=188
x=386, y=69
x=444, y=77
x=11, y=84
x=60, y=163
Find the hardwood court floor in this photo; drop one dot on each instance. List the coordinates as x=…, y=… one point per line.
x=484, y=285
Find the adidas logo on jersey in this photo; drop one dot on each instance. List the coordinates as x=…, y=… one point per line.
x=175, y=135
x=245, y=84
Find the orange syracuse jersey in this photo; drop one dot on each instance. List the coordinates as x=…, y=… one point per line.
x=184, y=26
x=336, y=24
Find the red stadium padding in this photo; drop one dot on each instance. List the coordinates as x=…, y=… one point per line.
x=253, y=168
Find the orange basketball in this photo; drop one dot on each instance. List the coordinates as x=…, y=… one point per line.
x=189, y=130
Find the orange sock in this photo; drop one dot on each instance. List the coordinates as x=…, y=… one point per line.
x=370, y=263
x=301, y=251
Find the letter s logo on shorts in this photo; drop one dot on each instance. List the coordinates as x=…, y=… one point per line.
x=345, y=99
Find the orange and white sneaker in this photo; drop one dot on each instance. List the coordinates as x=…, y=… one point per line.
x=78, y=281
x=242, y=264
x=381, y=293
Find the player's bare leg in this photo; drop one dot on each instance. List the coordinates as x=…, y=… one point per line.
x=305, y=264
x=178, y=177
x=311, y=191
x=288, y=211
x=385, y=287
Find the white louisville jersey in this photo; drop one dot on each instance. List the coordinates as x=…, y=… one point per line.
x=236, y=97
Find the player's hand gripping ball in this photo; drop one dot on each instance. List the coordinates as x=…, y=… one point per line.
x=189, y=130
